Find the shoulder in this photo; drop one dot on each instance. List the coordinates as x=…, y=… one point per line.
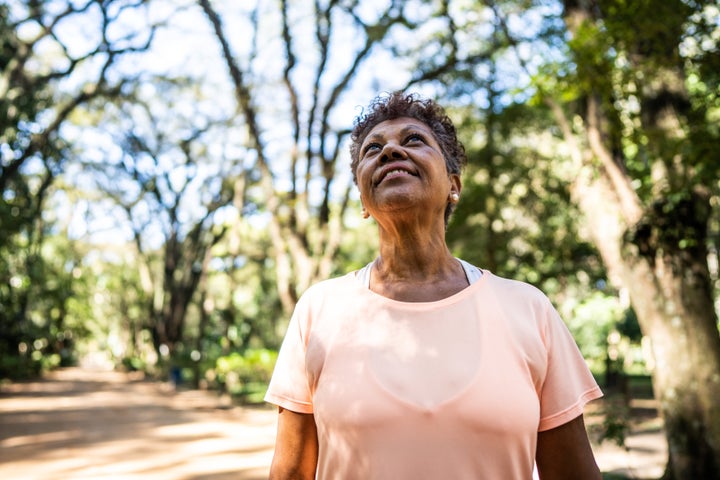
x=523, y=305
x=325, y=293
x=329, y=287
x=517, y=290
x=324, y=303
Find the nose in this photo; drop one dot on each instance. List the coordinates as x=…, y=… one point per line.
x=392, y=151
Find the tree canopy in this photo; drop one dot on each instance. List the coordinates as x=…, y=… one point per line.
x=175, y=174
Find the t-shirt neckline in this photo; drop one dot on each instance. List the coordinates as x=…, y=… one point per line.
x=456, y=297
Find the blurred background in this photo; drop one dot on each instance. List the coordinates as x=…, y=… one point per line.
x=174, y=174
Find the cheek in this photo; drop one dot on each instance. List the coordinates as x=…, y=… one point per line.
x=363, y=178
x=364, y=193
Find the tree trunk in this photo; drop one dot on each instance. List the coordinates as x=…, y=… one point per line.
x=669, y=246
x=656, y=248
x=662, y=261
x=670, y=290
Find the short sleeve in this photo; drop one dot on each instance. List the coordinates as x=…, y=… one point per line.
x=289, y=386
x=568, y=384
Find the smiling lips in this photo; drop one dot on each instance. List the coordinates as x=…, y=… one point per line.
x=393, y=173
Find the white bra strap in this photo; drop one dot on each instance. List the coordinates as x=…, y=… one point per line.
x=472, y=273
x=363, y=275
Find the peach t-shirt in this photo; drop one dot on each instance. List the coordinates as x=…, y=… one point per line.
x=456, y=388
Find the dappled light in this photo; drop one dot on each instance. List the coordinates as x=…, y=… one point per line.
x=175, y=175
x=105, y=424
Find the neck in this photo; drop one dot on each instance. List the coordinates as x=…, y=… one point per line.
x=417, y=270
x=414, y=255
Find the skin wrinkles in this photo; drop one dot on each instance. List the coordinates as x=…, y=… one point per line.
x=411, y=133
x=408, y=145
x=414, y=262
x=411, y=139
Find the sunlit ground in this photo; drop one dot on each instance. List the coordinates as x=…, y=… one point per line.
x=83, y=424
x=100, y=425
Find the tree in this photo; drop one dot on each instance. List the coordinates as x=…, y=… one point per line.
x=45, y=78
x=174, y=191
x=646, y=158
x=514, y=203
x=307, y=191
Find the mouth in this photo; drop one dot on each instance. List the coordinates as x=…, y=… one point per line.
x=393, y=172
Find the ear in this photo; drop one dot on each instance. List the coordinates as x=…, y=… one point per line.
x=363, y=210
x=455, y=184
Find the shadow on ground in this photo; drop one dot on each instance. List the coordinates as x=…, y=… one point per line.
x=643, y=454
x=85, y=424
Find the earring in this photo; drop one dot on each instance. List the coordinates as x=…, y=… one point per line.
x=455, y=197
x=365, y=213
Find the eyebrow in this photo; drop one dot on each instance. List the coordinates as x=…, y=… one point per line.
x=407, y=129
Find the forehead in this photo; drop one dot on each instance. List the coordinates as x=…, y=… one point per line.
x=397, y=125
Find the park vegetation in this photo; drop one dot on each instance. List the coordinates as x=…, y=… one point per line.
x=174, y=174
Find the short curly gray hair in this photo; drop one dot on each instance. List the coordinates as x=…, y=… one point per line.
x=399, y=104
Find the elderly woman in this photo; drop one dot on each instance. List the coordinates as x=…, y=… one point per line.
x=420, y=365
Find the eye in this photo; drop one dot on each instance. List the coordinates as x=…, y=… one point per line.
x=371, y=148
x=414, y=138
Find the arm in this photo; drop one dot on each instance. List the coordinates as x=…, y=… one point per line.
x=296, y=447
x=564, y=453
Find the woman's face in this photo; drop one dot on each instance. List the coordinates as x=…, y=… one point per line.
x=401, y=168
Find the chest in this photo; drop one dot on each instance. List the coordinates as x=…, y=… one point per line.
x=460, y=365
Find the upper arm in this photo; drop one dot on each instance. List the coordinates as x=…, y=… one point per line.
x=296, y=447
x=564, y=453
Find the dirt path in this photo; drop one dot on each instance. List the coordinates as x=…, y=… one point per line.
x=80, y=424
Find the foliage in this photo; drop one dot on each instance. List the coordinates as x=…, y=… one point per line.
x=240, y=374
x=252, y=365
x=222, y=177
x=42, y=81
x=162, y=122
x=515, y=205
x=591, y=322
x=164, y=177
x=39, y=299
x=650, y=178
x=616, y=422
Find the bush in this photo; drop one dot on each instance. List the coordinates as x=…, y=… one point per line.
x=239, y=374
x=134, y=364
x=19, y=367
